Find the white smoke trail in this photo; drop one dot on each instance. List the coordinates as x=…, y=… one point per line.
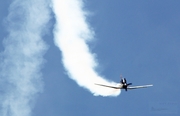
x=21, y=61
x=71, y=35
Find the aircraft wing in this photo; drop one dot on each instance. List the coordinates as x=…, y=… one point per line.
x=108, y=86
x=137, y=87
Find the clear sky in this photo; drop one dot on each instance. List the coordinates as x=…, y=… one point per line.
x=139, y=39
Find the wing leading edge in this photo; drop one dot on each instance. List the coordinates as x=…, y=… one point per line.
x=137, y=87
x=107, y=86
x=132, y=87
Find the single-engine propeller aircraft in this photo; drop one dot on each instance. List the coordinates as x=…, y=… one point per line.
x=124, y=85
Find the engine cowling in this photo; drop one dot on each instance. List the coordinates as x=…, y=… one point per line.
x=124, y=82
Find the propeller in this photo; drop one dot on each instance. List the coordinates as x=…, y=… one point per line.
x=124, y=82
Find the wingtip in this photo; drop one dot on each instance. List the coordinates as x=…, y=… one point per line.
x=150, y=85
x=96, y=84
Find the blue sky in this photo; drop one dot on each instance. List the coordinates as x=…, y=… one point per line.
x=138, y=39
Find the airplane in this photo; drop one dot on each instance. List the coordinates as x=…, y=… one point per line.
x=123, y=85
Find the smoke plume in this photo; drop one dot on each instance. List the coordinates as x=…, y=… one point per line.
x=72, y=33
x=22, y=58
